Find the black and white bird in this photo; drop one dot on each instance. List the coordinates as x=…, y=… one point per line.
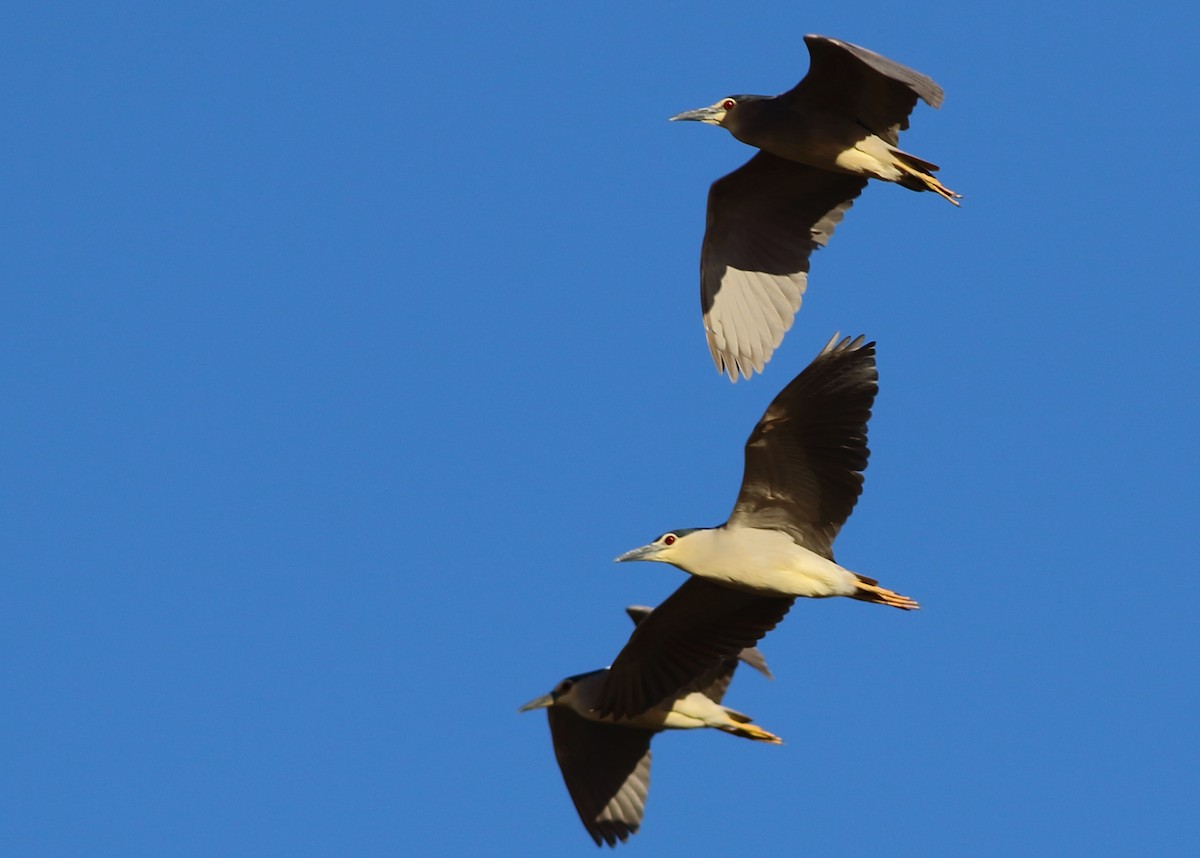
x=606, y=764
x=802, y=477
x=819, y=144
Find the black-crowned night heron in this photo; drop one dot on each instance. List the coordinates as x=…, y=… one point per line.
x=821, y=141
x=802, y=477
x=606, y=765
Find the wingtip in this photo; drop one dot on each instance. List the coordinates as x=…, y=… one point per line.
x=736, y=368
x=838, y=343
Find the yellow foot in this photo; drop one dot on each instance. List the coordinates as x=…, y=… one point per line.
x=941, y=190
x=875, y=593
x=930, y=182
x=750, y=731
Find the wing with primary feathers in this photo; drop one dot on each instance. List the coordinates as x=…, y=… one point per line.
x=862, y=85
x=716, y=683
x=607, y=772
x=804, y=459
x=683, y=640
x=764, y=221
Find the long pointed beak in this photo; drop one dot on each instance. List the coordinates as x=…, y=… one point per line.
x=703, y=114
x=646, y=552
x=546, y=700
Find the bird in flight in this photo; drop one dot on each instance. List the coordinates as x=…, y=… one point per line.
x=819, y=143
x=606, y=764
x=801, y=479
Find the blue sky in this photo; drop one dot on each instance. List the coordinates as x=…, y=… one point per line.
x=343, y=347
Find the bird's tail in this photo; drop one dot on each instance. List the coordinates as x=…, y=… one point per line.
x=870, y=591
x=917, y=175
x=739, y=725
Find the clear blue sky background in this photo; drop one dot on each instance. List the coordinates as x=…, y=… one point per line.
x=342, y=346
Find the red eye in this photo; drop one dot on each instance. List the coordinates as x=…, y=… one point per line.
x=728, y=104
x=669, y=539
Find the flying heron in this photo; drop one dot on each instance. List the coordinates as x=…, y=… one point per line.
x=820, y=142
x=606, y=764
x=802, y=478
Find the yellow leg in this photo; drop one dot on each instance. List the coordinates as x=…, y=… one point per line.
x=750, y=731
x=930, y=182
x=882, y=595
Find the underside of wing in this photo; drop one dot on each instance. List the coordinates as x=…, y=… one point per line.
x=684, y=640
x=764, y=221
x=714, y=685
x=607, y=772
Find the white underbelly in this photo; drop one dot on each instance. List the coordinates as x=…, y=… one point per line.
x=869, y=156
x=831, y=580
x=769, y=561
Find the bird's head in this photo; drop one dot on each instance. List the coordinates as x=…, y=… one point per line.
x=724, y=113
x=562, y=695
x=713, y=115
x=672, y=547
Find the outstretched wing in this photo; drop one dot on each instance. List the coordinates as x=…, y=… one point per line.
x=862, y=85
x=715, y=685
x=805, y=458
x=764, y=221
x=607, y=772
x=685, y=638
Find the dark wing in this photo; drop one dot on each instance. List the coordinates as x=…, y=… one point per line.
x=751, y=656
x=764, y=220
x=861, y=85
x=685, y=638
x=804, y=459
x=715, y=683
x=637, y=613
x=607, y=772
